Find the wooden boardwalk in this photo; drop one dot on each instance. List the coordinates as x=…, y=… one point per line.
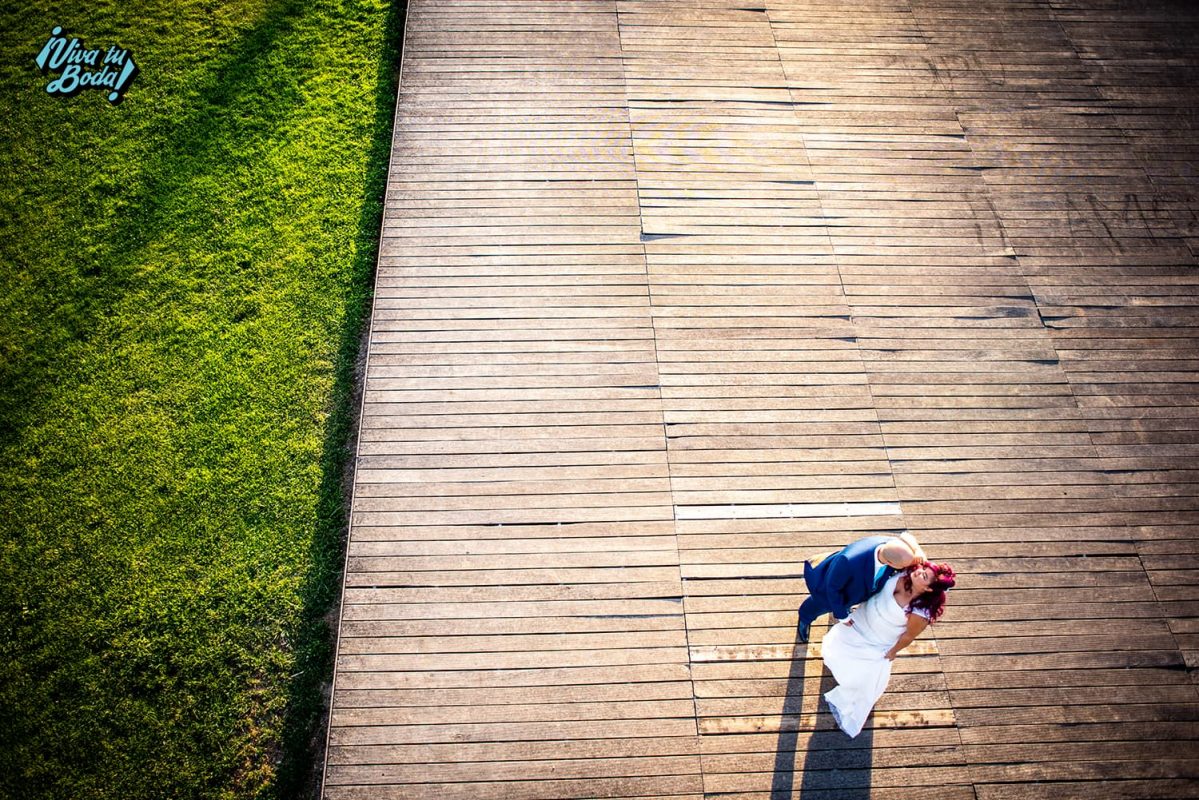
x=672, y=295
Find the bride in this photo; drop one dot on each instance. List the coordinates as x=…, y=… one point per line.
x=859, y=650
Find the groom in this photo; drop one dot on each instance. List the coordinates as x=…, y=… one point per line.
x=853, y=574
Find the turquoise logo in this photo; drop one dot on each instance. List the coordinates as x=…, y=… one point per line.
x=79, y=68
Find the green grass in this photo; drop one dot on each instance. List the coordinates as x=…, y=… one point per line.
x=184, y=279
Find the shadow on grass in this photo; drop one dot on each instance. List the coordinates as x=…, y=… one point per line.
x=834, y=766
x=186, y=147
x=307, y=706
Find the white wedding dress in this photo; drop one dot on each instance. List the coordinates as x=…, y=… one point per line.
x=856, y=655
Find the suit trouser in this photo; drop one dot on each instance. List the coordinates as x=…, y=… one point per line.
x=812, y=608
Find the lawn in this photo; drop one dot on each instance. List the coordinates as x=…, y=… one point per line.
x=185, y=279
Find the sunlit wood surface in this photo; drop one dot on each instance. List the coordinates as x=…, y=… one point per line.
x=646, y=262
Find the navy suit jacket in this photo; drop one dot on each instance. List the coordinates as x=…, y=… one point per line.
x=846, y=577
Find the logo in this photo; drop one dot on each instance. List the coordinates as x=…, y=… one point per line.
x=81, y=68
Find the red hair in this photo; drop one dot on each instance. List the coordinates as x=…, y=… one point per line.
x=933, y=601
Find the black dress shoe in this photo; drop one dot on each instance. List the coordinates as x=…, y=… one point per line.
x=805, y=630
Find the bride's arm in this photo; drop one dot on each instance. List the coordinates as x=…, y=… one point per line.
x=916, y=626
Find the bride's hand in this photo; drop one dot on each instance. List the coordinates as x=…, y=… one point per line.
x=890, y=655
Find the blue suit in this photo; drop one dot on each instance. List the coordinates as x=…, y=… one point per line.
x=843, y=579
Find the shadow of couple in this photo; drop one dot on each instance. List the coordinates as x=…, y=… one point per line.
x=827, y=762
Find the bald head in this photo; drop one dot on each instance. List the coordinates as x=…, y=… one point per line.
x=902, y=552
